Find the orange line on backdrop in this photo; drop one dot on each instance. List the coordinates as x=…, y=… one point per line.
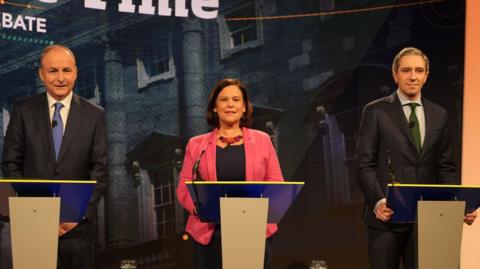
x=20, y=5
x=338, y=12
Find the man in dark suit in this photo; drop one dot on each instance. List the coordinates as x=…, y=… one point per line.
x=59, y=135
x=408, y=134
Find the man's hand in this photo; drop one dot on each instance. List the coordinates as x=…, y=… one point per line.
x=65, y=227
x=469, y=218
x=382, y=212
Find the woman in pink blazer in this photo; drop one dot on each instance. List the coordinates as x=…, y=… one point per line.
x=231, y=152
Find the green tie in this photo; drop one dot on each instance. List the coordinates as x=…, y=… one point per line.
x=415, y=127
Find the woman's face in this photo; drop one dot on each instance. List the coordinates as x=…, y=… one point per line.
x=230, y=106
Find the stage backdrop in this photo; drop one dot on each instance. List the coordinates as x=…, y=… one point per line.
x=310, y=66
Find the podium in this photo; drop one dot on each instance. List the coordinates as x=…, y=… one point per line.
x=243, y=209
x=35, y=209
x=438, y=211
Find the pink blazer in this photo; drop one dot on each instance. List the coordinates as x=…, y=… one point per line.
x=261, y=165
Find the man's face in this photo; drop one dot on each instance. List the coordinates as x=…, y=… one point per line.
x=58, y=72
x=411, y=75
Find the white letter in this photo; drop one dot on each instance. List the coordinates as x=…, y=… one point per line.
x=30, y=22
x=126, y=6
x=198, y=5
x=7, y=20
x=41, y=25
x=163, y=8
x=180, y=9
x=95, y=4
x=19, y=23
x=146, y=7
x=48, y=1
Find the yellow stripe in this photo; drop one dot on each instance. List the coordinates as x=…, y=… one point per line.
x=47, y=181
x=434, y=185
x=248, y=182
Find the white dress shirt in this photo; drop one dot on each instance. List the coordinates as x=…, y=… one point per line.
x=65, y=109
x=419, y=111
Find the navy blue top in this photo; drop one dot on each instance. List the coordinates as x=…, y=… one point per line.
x=231, y=163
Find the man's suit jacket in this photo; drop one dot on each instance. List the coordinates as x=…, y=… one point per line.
x=384, y=131
x=29, y=152
x=261, y=165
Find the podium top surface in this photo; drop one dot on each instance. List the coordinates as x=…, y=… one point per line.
x=403, y=198
x=433, y=186
x=46, y=181
x=201, y=182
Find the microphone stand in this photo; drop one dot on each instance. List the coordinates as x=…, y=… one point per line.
x=391, y=172
x=195, y=177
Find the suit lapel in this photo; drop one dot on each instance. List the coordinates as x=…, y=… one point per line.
x=75, y=117
x=42, y=116
x=249, y=162
x=395, y=110
x=211, y=155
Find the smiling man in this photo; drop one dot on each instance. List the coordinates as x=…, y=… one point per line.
x=412, y=133
x=59, y=135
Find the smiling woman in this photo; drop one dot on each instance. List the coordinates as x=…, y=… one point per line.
x=231, y=152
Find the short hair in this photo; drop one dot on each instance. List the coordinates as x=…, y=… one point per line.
x=409, y=51
x=55, y=46
x=212, y=117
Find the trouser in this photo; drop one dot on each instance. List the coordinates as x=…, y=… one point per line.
x=76, y=248
x=387, y=248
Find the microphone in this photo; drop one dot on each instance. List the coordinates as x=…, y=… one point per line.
x=195, y=171
x=411, y=124
x=393, y=179
x=390, y=171
x=54, y=123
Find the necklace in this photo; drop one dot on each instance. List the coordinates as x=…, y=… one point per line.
x=230, y=140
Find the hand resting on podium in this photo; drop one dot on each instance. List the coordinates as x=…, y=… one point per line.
x=469, y=218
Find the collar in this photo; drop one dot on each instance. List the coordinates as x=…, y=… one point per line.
x=65, y=101
x=404, y=99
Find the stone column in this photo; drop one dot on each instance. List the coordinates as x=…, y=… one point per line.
x=120, y=199
x=195, y=93
x=146, y=205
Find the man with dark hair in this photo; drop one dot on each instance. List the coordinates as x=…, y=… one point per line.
x=59, y=135
x=412, y=133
